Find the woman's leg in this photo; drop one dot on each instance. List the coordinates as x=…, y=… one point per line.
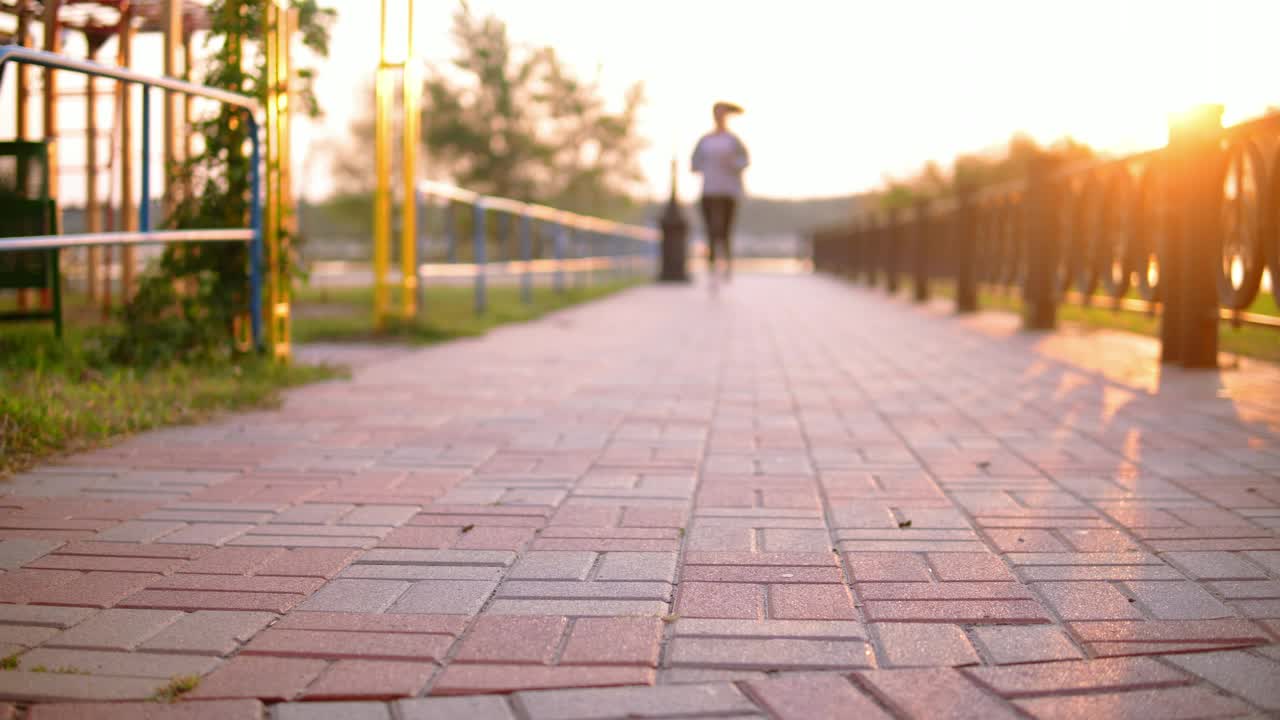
x=710, y=216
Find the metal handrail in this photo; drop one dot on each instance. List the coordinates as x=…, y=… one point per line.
x=55, y=61
x=145, y=235
x=564, y=221
x=154, y=237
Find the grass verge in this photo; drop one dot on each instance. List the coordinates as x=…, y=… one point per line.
x=60, y=397
x=1261, y=343
x=344, y=314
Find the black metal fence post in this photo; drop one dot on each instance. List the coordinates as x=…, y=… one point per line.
x=1040, y=241
x=965, y=251
x=921, y=251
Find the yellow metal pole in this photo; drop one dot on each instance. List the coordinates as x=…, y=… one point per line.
x=53, y=44
x=382, y=168
x=278, y=212
x=409, y=214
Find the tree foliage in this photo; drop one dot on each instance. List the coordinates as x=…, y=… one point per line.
x=975, y=170
x=512, y=121
x=187, y=303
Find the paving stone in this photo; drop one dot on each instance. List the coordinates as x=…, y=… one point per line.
x=372, y=679
x=1010, y=644
x=207, y=710
x=464, y=597
x=367, y=596
x=54, y=687
x=801, y=697
x=463, y=679
x=1237, y=672
x=510, y=639
x=1088, y=601
x=24, y=636
x=331, y=711
x=307, y=562
x=811, y=602
x=944, y=591
x=887, y=567
x=995, y=612
x=118, y=664
x=116, y=629
x=499, y=558
x=281, y=642
x=811, y=629
x=770, y=653
x=111, y=564
x=1177, y=600
x=231, y=561
x=924, y=645
x=208, y=632
x=475, y=707
x=578, y=608
x=205, y=600
x=554, y=565
x=592, y=704
x=1215, y=565
x=1164, y=636
x=1176, y=703
x=269, y=679
x=1078, y=675
x=969, y=567
x=207, y=533
x=43, y=615
x=723, y=600
x=139, y=531
x=94, y=589
x=565, y=589
x=613, y=641
x=352, y=622
x=934, y=693
x=638, y=566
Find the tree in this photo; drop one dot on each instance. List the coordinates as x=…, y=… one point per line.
x=518, y=123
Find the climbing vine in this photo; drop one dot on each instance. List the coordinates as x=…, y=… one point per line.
x=189, y=304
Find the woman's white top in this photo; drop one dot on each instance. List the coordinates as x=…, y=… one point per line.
x=720, y=157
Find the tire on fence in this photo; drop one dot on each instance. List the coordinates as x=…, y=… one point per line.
x=1115, y=250
x=1241, y=218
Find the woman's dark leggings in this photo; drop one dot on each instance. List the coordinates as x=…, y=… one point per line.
x=717, y=218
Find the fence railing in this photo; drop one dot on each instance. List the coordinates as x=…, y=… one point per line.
x=486, y=237
x=145, y=235
x=1187, y=231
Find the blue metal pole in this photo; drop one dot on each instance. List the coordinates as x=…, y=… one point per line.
x=479, y=240
x=255, y=224
x=526, y=252
x=144, y=206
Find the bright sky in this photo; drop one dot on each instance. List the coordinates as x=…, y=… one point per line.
x=840, y=92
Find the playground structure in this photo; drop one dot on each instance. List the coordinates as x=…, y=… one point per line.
x=548, y=240
x=117, y=223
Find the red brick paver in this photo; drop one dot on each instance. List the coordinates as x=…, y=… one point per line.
x=797, y=499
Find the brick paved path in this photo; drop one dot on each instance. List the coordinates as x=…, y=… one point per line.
x=798, y=499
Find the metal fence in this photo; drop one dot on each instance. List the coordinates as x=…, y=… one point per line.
x=146, y=235
x=1187, y=231
x=483, y=237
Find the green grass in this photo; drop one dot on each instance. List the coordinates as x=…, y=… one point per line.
x=60, y=396
x=1262, y=343
x=346, y=314
x=177, y=686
